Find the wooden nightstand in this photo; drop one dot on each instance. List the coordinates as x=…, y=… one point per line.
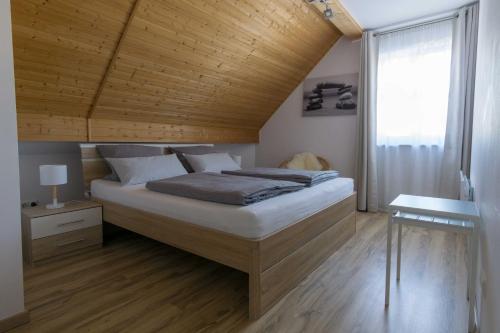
x=49, y=233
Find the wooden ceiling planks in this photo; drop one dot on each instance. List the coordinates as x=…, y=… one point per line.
x=41, y=127
x=61, y=51
x=176, y=68
x=103, y=130
x=233, y=49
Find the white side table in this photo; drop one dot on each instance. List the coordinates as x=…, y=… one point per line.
x=435, y=213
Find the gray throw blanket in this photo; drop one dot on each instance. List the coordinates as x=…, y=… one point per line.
x=227, y=189
x=307, y=177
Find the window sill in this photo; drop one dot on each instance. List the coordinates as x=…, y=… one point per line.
x=410, y=146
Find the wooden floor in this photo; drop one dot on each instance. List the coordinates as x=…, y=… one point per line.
x=134, y=284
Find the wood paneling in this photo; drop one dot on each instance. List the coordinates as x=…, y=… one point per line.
x=42, y=127
x=341, y=18
x=181, y=71
x=115, y=55
x=212, y=63
x=61, y=51
x=106, y=130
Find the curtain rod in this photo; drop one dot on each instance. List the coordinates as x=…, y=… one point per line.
x=442, y=19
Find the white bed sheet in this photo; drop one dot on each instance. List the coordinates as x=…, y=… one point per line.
x=253, y=221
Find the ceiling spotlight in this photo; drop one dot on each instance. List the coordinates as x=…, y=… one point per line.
x=328, y=12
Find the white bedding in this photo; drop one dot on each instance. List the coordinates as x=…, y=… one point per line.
x=253, y=221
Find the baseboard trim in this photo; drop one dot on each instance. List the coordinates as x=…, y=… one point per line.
x=14, y=321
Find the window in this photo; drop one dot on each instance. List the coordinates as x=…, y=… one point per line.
x=413, y=85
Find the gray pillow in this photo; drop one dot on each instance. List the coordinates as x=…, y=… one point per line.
x=191, y=150
x=212, y=162
x=140, y=170
x=125, y=151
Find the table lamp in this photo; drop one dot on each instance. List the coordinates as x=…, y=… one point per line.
x=53, y=175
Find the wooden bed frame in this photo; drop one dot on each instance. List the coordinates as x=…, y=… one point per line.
x=275, y=264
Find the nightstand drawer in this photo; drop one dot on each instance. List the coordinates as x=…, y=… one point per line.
x=64, y=243
x=61, y=223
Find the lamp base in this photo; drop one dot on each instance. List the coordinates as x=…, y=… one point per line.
x=55, y=206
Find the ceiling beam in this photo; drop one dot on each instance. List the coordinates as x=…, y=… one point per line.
x=341, y=18
x=112, y=61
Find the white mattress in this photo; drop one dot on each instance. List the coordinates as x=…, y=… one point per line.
x=253, y=221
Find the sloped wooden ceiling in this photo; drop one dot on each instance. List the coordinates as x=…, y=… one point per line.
x=153, y=70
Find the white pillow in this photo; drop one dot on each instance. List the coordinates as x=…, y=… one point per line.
x=236, y=158
x=140, y=170
x=215, y=162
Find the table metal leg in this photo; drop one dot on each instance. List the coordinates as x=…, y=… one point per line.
x=388, y=261
x=400, y=231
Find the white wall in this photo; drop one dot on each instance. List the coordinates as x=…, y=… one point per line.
x=333, y=137
x=11, y=270
x=485, y=167
x=34, y=154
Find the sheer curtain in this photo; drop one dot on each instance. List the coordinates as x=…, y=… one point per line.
x=414, y=70
x=460, y=102
x=416, y=96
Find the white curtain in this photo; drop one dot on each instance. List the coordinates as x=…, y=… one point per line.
x=416, y=96
x=469, y=19
x=366, y=161
x=413, y=85
x=414, y=70
x=461, y=103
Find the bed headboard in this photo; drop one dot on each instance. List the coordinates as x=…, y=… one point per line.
x=94, y=166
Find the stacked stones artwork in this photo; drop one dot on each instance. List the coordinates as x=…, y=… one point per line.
x=330, y=96
x=326, y=89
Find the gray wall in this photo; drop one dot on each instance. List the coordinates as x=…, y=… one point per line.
x=485, y=168
x=34, y=154
x=11, y=269
x=287, y=132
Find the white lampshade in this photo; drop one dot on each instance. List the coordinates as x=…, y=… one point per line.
x=53, y=174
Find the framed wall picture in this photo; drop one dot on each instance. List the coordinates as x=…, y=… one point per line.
x=335, y=95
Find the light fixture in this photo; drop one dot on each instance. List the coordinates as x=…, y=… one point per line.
x=53, y=175
x=328, y=12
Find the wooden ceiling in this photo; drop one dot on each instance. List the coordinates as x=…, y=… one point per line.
x=153, y=70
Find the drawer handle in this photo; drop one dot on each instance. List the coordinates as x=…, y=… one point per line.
x=70, y=242
x=69, y=223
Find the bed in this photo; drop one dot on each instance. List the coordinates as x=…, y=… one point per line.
x=277, y=242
